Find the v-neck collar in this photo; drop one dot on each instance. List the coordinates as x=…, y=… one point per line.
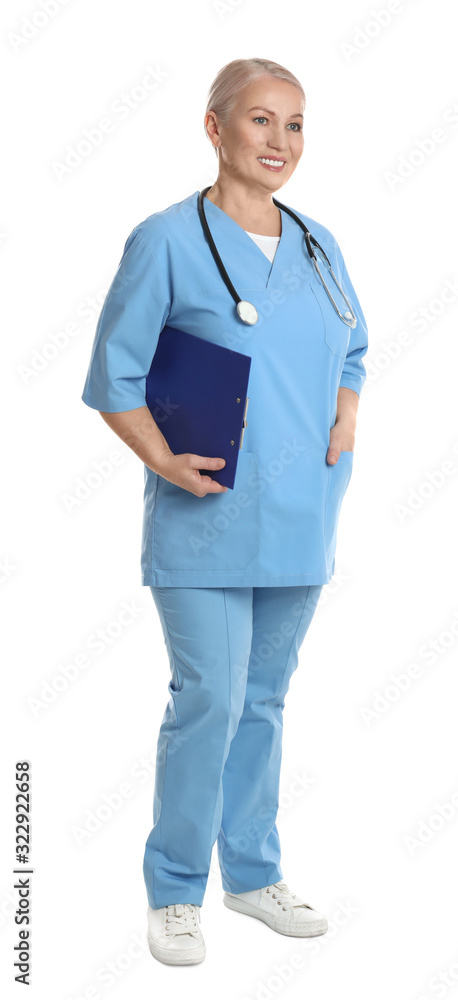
x=249, y=250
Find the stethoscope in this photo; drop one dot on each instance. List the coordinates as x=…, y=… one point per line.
x=246, y=310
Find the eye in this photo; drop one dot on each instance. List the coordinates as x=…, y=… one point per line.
x=298, y=127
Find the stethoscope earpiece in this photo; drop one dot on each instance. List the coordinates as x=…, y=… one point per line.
x=246, y=311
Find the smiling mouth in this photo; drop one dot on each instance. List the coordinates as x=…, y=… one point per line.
x=271, y=162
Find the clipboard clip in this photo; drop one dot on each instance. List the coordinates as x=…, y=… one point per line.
x=244, y=423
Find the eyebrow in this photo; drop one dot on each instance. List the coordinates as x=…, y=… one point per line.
x=257, y=107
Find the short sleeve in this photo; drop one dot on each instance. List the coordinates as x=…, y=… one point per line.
x=353, y=373
x=134, y=313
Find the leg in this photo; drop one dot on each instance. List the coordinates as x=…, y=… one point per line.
x=207, y=632
x=248, y=841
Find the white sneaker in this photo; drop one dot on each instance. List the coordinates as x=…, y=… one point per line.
x=280, y=908
x=174, y=935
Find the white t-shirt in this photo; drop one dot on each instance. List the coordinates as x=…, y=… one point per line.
x=268, y=244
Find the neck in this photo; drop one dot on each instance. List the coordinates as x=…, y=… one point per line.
x=251, y=207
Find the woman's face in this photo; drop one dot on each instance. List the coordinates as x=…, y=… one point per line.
x=266, y=122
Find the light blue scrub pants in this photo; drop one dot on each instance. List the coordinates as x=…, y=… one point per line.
x=232, y=651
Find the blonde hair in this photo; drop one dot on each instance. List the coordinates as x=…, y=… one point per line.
x=236, y=75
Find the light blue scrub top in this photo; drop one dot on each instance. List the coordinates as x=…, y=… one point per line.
x=278, y=526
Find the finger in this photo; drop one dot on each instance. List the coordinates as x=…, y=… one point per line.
x=215, y=487
x=210, y=485
x=204, y=462
x=332, y=454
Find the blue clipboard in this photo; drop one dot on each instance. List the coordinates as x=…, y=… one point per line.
x=197, y=394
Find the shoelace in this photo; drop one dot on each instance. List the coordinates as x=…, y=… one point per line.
x=285, y=896
x=181, y=918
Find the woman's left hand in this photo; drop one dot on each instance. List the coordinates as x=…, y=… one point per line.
x=341, y=438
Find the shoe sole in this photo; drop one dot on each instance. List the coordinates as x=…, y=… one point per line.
x=314, y=929
x=189, y=957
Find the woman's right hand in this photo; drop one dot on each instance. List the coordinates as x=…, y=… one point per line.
x=138, y=429
x=183, y=470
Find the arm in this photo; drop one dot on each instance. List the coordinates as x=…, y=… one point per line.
x=342, y=434
x=134, y=313
x=138, y=429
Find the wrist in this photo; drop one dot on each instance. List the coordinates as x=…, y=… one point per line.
x=163, y=462
x=346, y=407
x=346, y=421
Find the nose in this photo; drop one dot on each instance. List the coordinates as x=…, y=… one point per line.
x=277, y=141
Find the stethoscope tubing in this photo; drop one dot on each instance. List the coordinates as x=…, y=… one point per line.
x=310, y=241
x=213, y=248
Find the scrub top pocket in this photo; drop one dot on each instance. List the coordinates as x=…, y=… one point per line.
x=219, y=531
x=336, y=333
x=339, y=476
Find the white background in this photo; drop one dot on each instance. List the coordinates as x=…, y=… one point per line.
x=365, y=832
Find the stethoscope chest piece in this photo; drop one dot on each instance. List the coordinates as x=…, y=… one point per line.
x=247, y=312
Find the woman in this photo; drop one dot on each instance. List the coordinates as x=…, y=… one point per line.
x=235, y=579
